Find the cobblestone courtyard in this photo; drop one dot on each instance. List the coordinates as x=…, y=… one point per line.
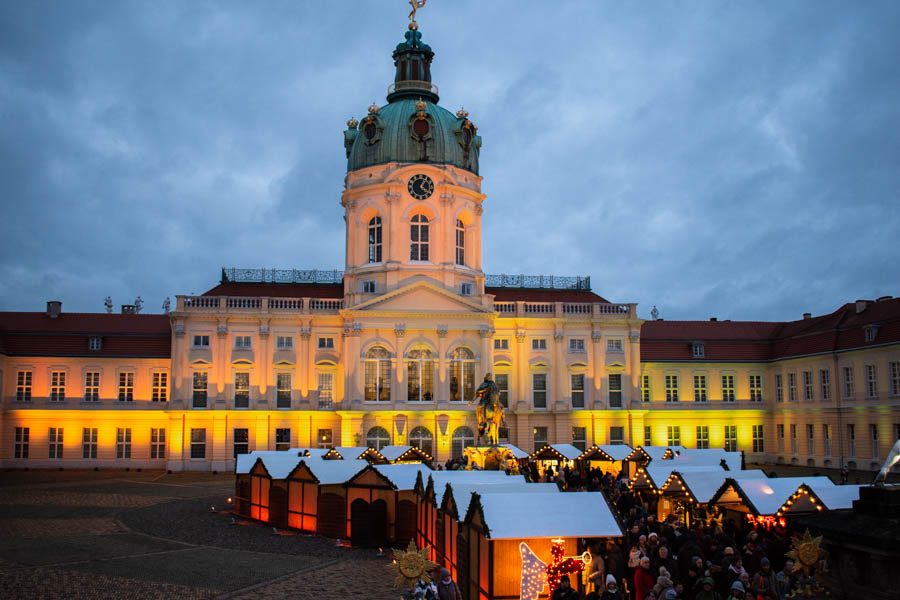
x=116, y=534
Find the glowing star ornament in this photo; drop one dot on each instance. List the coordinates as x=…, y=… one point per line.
x=536, y=573
x=806, y=552
x=412, y=565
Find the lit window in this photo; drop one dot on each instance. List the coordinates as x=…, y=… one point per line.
x=198, y=443
x=200, y=389
x=242, y=342
x=420, y=375
x=756, y=388
x=648, y=435
x=759, y=444
x=615, y=390
x=418, y=238
x=326, y=389
x=848, y=382
x=614, y=345
x=671, y=388
x=579, y=437
x=368, y=287
x=326, y=343
x=242, y=389
x=92, y=386
x=702, y=437
x=501, y=344
x=55, y=442
x=698, y=350
x=421, y=438
x=577, y=380
x=576, y=345
x=616, y=435
x=462, y=375
x=375, y=240
x=731, y=438
x=123, y=442
x=241, y=443
x=825, y=383
x=539, y=437
x=324, y=438
x=160, y=389
x=201, y=341
x=20, y=448
x=728, y=394
x=284, y=342
x=700, y=388
x=57, y=386
x=539, y=389
x=95, y=343
x=157, y=442
x=283, y=390
x=89, y=442
x=23, y=386
x=460, y=243
x=378, y=438
x=871, y=382
x=378, y=375
x=462, y=438
x=645, y=388
x=282, y=439
x=539, y=344
x=673, y=435
x=126, y=386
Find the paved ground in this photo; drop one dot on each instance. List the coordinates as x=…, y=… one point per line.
x=86, y=534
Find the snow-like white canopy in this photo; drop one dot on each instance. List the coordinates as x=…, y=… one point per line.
x=517, y=452
x=404, y=476
x=767, y=495
x=245, y=462
x=350, y=452
x=616, y=451
x=837, y=497
x=392, y=453
x=567, y=451
x=330, y=472
x=462, y=490
x=520, y=516
x=703, y=485
x=655, y=452
x=658, y=472
x=711, y=456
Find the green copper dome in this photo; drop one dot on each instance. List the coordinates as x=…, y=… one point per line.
x=412, y=127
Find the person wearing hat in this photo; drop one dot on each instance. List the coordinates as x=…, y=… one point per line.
x=564, y=590
x=447, y=588
x=706, y=590
x=612, y=589
x=663, y=582
x=737, y=591
x=643, y=580
x=763, y=584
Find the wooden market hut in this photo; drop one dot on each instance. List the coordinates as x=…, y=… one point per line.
x=405, y=454
x=346, y=453
x=687, y=492
x=332, y=518
x=642, y=456
x=760, y=500
x=555, y=455
x=815, y=497
x=607, y=457
x=496, y=524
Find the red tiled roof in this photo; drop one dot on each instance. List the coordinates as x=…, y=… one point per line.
x=279, y=290
x=759, y=341
x=502, y=294
x=36, y=334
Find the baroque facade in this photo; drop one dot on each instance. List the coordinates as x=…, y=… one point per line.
x=390, y=350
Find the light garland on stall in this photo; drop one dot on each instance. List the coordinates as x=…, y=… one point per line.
x=536, y=573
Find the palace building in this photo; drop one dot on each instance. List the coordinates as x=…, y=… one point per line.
x=390, y=350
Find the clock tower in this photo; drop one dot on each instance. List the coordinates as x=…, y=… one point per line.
x=412, y=195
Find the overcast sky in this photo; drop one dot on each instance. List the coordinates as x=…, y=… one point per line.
x=729, y=159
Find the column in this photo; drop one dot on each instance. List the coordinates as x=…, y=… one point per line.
x=487, y=351
x=521, y=369
x=398, y=382
x=442, y=382
x=303, y=357
x=599, y=364
x=559, y=372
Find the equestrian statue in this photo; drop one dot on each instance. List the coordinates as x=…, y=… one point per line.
x=489, y=412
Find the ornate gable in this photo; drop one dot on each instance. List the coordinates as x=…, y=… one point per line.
x=420, y=297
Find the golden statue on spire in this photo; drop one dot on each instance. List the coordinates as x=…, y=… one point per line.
x=416, y=5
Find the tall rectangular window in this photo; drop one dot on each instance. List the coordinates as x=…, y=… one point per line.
x=848, y=382
x=702, y=437
x=198, y=443
x=200, y=390
x=810, y=439
x=20, y=448
x=792, y=387
x=89, y=442
x=23, y=386
x=539, y=389
x=615, y=390
x=825, y=384
x=160, y=390
x=759, y=442
x=540, y=437
x=157, y=442
x=326, y=389
x=756, y=388
x=826, y=439
x=418, y=238
x=123, y=442
x=242, y=389
x=242, y=342
x=241, y=444
x=671, y=388
x=460, y=243
x=92, y=386
x=673, y=435
x=325, y=439
x=895, y=378
x=502, y=381
x=794, y=442
x=807, y=386
x=780, y=428
x=645, y=388
x=779, y=388
x=579, y=438
x=126, y=386
x=282, y=439
x=283, y=390
x=700, y=388
x=617, y=435
x=728, y=388
x=648, y=435
x=501, y=344
x=871, y=382
x=873, y=436
x=577, y=380
x=57, y=386
x=55, y=442
x=731, y=438
x=284, y=342
x=851, y=440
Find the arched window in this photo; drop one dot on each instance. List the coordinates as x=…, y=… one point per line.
x=375, y=240
x=460, y=243
x=418, y=238
x=378, y=438
x=462, y=438
x=420, y=375
x=422, y=439
x=378, y=375
x=462, y=375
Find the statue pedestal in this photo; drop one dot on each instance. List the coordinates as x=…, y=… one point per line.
x=491, y=458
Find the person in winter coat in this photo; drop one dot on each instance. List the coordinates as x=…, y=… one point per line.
x=663, y=582
x=706, y=590
x=737, y=591
x=595, y=575
x=564, y=591
x=664, y=560
x=612, y=589
x=763, y=584
x=643, y=580
x=447, y=588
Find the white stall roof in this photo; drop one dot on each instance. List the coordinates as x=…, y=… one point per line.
x=394, y=452
x=567, y=450
x=330, y=472
x=521, y=516
x=704, y=484
x=280, y=464
x=616, y=451
x=837, y=497
x=245, y=462
x=713, y=456
x=463, y=489
x=658, y=472
x=517, y=452
x=768, y=495
x=655, y=452
x=350, y=452
x=404, y=476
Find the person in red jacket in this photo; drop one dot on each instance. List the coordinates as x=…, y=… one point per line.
x=643, y=580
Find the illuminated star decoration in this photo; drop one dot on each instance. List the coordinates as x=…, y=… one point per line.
x=806, y=552
x=412, y=565
x=536, y=573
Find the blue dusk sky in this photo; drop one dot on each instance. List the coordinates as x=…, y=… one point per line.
x=730, y=159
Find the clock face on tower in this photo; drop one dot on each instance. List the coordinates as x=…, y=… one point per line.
x=420, y=186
